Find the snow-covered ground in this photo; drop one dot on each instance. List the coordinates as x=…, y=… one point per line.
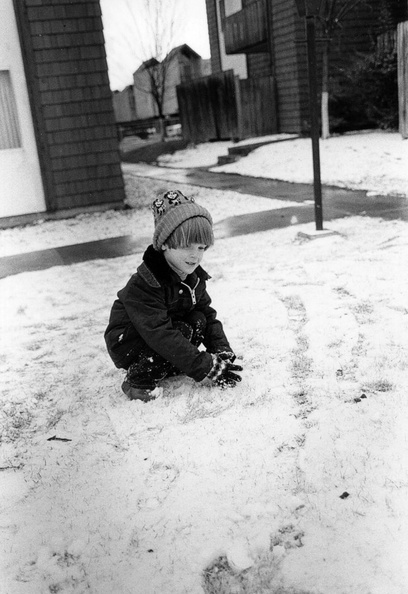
x=294, y=482
x=372, y=161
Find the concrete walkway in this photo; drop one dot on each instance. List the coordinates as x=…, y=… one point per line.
x=337, y=203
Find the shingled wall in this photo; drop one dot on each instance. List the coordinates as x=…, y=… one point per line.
x=66, y=69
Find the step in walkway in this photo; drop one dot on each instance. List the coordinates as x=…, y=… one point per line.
x=244, y=147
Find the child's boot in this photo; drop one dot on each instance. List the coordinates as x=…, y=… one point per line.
x=144, y=394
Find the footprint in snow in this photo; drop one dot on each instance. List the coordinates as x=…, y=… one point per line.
x=158, y=485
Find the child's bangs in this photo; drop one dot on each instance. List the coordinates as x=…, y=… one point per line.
x=194, y=230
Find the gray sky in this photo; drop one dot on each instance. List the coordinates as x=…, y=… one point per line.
x=124, y=31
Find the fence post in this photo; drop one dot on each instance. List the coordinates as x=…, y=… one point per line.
x=238, y=100
x=402, y=45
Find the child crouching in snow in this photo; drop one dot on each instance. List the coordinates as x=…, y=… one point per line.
x=163, y=314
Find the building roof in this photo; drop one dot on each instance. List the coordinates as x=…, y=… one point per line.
x=148, y=64
x=180, y=49
x=183, y=49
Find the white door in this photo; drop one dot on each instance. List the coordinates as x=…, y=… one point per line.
x=21, y=188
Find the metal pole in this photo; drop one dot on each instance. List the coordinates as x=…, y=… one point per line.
x=314, y=119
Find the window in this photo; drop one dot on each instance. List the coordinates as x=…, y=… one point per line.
x=232, y=6
x=9, y=128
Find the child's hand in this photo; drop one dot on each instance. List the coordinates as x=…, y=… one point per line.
x=227, y=356
x=228, y=379
x=222, y=372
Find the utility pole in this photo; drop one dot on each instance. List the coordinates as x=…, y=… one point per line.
x=314, y=118
x=310, y=9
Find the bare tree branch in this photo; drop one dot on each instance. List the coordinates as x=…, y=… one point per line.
x=158, y=20
x=334, y=14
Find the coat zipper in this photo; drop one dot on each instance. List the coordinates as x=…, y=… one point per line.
x=192, y=291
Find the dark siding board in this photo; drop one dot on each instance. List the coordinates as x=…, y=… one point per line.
x=92, y=52
x=40, y=29
x=80, y=11
x=83, y=148
x=41, y=42
x=91, y=198
x=302, y=74
x=68, y=54
x=73, y=95
x=78, y=160
x=68, y=25
x=45, y=13
x=79, y=121
x=80, y=135
x=69, y=68
x=75, y=108
x=57, y=68
x=258, y=65
x=55, y=9
x=53, y=111
x=213, y=36
x=67, y=40
x=79, y=186
x=286, y=65
x=96, y=173
x=71, y=82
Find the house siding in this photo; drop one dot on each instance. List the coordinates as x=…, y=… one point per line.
x=170, y=105
x=124, y=104
x=287, y=69
x=72, y=102
x=181, y=64
x=145, y=106
x=258, y=65
x=213, y=36
x=288, y=56
x=183, y=67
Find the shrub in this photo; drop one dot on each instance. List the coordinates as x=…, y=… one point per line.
x=367, y=96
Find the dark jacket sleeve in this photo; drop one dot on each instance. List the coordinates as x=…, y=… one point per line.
x=215, y=340
x=146, y=307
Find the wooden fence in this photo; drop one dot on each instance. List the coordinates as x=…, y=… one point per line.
x=143, y=128
x=208, y=107
x=258, y=107
x=221, y=106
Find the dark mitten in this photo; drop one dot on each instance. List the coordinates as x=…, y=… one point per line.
x=222, y=373
x=227, y=356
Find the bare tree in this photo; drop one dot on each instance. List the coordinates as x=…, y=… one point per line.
x=331, y=20
x=157, y=23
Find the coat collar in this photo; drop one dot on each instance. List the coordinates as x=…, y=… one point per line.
x=160, y=271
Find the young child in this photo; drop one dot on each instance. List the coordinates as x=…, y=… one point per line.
x=164, y=313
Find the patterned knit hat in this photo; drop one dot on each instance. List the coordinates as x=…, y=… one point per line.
x=170, y=211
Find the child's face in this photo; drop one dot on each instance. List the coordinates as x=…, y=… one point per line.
x=184, y=260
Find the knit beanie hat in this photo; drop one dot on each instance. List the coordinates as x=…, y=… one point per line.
x=170, y=211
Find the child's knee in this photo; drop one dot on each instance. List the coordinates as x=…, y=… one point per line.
x=197, y=320
x=185, y=329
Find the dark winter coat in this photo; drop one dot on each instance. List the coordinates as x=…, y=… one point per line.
x=148, y=305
